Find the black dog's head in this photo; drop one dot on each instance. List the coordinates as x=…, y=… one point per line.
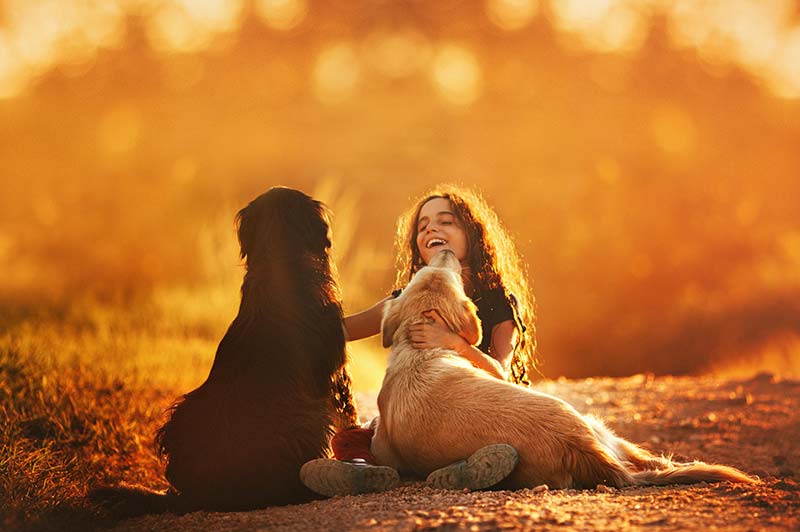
x=283, y=223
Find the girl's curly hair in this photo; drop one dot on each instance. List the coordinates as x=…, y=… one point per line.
x=492, y=258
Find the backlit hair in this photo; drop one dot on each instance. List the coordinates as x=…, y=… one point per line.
x=493, y=260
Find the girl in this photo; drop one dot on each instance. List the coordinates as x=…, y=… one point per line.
x=459, y=220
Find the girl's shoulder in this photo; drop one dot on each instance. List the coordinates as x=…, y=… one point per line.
x=498, y=305
x=494, y=300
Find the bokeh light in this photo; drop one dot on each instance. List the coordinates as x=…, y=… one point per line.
x=192, y=25
x=13, y=75
x=456, y=74
x=34, y=36
x=643, y=153
x=761, y=37
x=282, y=15
x=396, y=54
x=337, y=73
x=758, y=36
x=511, y=15
x=602, y=25
x=782, y=74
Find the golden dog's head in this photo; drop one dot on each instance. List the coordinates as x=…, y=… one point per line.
x=437, y=286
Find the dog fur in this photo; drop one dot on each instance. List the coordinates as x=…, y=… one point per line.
x=436, y=409
x=239, y=440
x=278, y=387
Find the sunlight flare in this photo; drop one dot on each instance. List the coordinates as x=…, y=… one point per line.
x=282, y=15
x=511, y=15
x=337, y=73
x=396, y=54
x=456, y=74
x=192, y=25
x=13, y=74
x=783, y=72
x=607, y=26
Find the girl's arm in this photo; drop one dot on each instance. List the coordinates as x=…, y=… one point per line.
x=365, y=323
x=481, y=360
x=504, y=338
x=436, y=334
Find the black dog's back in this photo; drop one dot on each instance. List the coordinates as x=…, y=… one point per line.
x=239, y=440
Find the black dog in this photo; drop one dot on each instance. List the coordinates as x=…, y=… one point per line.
x=278, y=385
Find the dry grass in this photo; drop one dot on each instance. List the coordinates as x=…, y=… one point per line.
x=82, y=390
x=84, y=380
x=83, y=386
x=66, y=429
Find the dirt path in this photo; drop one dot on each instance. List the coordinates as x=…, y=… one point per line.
x=753, y=425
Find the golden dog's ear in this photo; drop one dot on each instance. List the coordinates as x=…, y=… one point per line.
x=462, y=318
x=469, y=323
x=390, y=321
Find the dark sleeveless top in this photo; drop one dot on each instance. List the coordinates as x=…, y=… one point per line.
x=493, y=308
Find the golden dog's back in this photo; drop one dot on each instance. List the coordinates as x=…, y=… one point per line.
x=444, y=410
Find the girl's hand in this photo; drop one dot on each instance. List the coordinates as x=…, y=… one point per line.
x=435, y=333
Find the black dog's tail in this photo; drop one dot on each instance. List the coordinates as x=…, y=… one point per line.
x=131, y=501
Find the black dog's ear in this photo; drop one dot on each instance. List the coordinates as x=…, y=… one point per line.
x=245, y=230
x=390, y=321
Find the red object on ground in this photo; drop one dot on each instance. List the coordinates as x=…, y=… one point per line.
x=353, y=443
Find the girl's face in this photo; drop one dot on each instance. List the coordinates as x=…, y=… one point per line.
x=438, y=229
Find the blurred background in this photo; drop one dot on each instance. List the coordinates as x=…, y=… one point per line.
x=644, y=154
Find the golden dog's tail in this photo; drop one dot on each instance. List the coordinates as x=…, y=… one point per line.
x=646, y=469
x=660, y=470
x=690, y=473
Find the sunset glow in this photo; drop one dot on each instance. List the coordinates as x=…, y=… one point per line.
x=642, y=153
x=511, y=14
x=456, y=74
x=281, y=15
x=761, y=37
x=337, y=73
x=624, y=174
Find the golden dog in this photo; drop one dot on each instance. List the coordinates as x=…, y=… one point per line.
x=436, y=409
